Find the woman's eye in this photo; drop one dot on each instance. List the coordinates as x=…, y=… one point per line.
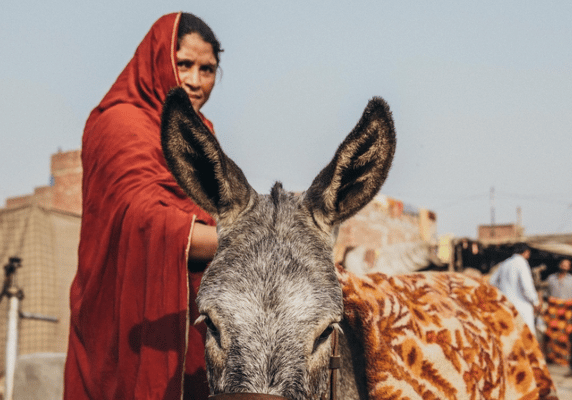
x=183, y=64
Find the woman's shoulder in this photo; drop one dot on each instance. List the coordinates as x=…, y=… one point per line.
x=128, y=114
x=122, y=119
x=120, y=126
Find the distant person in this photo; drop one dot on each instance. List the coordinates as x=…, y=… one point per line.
x=560, y=283
x=514, y=278
x=558, y=316
x=144, y=244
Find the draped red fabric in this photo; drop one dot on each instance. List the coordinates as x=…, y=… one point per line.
x=132, y=300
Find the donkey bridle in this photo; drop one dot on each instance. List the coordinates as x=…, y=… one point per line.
x=335, y=364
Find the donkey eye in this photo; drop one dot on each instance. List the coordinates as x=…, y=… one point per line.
x=323, y=336
x=327, y=332
x=211, y=326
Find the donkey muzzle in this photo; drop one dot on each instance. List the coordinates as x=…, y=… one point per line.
x=245, y=396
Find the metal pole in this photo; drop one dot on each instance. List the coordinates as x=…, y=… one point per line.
x=11, y=344
x=14, y=295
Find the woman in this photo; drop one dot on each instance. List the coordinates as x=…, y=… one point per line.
x=143, y=243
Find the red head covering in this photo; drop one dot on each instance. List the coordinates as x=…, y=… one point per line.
x=130, y=299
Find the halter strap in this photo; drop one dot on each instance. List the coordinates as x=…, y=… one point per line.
x=335, y=364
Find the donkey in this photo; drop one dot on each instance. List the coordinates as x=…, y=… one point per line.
x=271, y=297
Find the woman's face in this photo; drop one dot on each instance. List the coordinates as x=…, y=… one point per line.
x=197, y=66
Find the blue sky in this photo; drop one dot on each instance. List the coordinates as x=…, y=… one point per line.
x=481, y=93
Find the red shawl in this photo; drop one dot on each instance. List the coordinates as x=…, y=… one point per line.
x=130, y=298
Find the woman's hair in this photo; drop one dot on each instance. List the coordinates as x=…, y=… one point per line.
x=190, y=23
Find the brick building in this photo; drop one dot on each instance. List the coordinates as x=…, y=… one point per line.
x=64, y=193
x=388, y=236
x=500, y=233
x=42, y=229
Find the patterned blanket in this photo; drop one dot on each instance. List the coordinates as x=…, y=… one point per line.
x=443, y=336
x=558, y=320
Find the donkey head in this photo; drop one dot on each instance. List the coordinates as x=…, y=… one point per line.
x=270, y=297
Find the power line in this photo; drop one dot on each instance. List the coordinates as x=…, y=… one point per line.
x=542, y=199
x=464, y=200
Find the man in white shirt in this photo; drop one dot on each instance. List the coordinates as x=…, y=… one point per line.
x=514, y=278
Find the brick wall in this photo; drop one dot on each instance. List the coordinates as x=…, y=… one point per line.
x=67, y=175
x=500, y=232
x=385, y=222
x=65, y=192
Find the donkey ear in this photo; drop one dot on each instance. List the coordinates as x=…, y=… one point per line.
x=196, y=160
x=358, y=169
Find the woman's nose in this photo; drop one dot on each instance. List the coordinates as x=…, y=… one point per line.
x=193, y=78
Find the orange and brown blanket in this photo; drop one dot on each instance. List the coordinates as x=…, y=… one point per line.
x=443, y=336
x=558, y=320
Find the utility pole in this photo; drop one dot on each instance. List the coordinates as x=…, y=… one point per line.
x=492, y=199
x=519, y=229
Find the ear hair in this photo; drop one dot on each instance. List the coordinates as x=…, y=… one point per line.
x=358, y=169
x=198, y=163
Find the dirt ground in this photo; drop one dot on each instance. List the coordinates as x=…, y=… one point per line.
x=562, y=380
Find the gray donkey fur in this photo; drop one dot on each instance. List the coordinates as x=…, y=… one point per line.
x=270, y=297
